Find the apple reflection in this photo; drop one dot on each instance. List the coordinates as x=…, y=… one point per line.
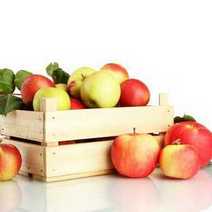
x=10, y=196
x=134, y=194
x=193, y=195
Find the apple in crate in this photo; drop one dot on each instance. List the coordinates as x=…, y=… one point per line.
x=100, y=89
x=61, y=86
x=193, y=133
x=118, y=71
x=77, y=104
x=10, y=161
x=134, y=93
x=32, y=84
x=61, y=96
x=76, y=79
x=135, y=155
x=179, y=161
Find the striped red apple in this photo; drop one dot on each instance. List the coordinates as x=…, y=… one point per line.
x=135, y=155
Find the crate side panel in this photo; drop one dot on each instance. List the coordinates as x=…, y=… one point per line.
x=77, y=159
x=97, y=123
x=24, y=124
x=32, y=157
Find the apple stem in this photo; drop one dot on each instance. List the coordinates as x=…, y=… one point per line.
x=134, y=131
x=177, y=142
x=83, y=77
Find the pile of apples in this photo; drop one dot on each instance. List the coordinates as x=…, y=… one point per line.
x=87, y=88
x=187, y=147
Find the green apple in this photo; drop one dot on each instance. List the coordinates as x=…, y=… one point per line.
x=100, y=89
x=76, y=79
x=61, y=86
x=63, y=99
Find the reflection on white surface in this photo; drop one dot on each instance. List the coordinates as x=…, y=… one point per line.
x=191, y=195
x=10, y=196
x=109, y=194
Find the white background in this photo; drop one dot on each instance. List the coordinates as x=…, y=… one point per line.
x=167, y=44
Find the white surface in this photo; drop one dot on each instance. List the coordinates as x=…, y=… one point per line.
x=166, y=43
x=109, y=194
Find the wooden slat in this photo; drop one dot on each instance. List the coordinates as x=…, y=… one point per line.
x=75, y=159
x=163, y=99
x=75, y=176
x=24, y=124
x=32, y=157
x=97, y=123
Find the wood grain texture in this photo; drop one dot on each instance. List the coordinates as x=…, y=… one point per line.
x=78, y=158
x=97, y=123
x=24, y=124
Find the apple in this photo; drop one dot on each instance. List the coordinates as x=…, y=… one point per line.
x=134, y=93
x=193, y=133
x=179, y=161
x=100, y=90
x=77, y=104
x=135, y=155
x=32, y=84
x=76, y=79
x=63, y=99
x=61, y=86
x=10, y=161
x=118, y=71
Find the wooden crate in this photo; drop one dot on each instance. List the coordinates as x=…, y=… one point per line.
x=38, y=135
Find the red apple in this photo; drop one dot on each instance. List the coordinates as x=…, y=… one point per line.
x=10, y=161
x=179, y=161
x=135, y=155
x=32, y=84
x=134, y=93
x=193, y=133
x=118, y=71
x=77, y=104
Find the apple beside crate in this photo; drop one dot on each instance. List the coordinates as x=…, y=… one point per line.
x=39, y=136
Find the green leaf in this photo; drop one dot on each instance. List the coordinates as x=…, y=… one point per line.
x=60, y=76
x=186, y=117
x=57, y=73
x=9, y=103
x=6, y=81
x=51, y=68
x=20, y=77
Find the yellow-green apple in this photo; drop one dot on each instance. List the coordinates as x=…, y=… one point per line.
x=10, y=161
x=62, y=97
x=32, y=84
x=77, y=104
x=61, y=86
x=135, y=155
x=76, y=79
x=100, y=90
x=191, y=132
x=179, y=161
x=119, y=72
x=134, y=93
